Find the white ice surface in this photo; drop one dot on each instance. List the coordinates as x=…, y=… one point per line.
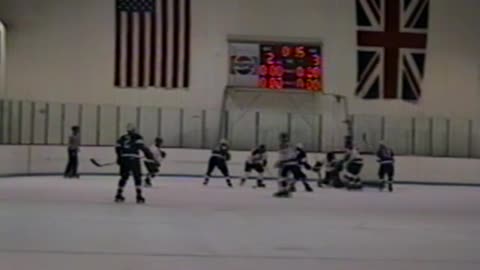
x=56, y=224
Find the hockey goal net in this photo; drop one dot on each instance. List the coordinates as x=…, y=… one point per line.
x=252, y=116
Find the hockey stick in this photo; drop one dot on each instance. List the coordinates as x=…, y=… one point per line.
x=365, y=141
x=98, y=164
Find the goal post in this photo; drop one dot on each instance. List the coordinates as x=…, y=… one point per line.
x=3, y=56
x=251, y=116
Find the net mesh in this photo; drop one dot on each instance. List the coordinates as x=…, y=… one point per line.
x=257, y=116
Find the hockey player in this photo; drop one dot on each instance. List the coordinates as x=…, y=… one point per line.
x=256, y=161
x=128, y=149
x=302, y=162
x=218, y=159
x=352, y=165
x=71, y=171
x=153, y=167
x=317, y=168
x=386, y=161
x=288, y=165
x=331, y=170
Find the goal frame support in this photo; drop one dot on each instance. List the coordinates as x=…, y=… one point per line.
x=3, y=59
x=258, y=92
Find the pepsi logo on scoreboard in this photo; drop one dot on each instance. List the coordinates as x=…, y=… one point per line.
x=243, y=65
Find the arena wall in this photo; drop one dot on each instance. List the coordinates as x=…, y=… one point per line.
x=62, y=51
x=50, y=160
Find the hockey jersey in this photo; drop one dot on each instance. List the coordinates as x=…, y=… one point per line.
x=157, y=152
x=287, y=155
x=353, y=156
x=302, y=158
x=257, y=156
x=330, y=163
x=130, y=145
x=385, y=155
x=221, y=151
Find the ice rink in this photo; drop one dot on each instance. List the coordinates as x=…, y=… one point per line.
x=55, y=224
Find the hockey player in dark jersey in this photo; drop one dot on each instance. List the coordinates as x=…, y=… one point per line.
x=331, y=170
x=218, y=159
x=288, y=165
x=257, y=161
x=386, y=161
x=302, y=163
x=317, y=168
x=128, y=149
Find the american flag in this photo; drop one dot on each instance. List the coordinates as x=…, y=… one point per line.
x=152, y=43
x=392, y=40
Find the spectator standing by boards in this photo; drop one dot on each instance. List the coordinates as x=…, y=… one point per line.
x=71, y=171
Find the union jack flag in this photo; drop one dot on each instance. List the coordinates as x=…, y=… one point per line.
x=392, y=40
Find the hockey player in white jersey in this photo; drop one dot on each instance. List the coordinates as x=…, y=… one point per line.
x=353, y=164
x=288, y=165
x=158, y=156
x=257, y=161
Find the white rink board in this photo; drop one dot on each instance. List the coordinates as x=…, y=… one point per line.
x=52, y=159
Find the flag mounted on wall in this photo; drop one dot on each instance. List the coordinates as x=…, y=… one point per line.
x=392, y=41
x=152, y=43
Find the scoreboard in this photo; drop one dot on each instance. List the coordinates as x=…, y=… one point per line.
x=276, y=66
x=290, y=66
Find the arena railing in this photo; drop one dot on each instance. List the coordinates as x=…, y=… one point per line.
x=24, y=122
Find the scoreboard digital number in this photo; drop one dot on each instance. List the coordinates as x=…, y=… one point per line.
x=290, y=66
x=276, y=66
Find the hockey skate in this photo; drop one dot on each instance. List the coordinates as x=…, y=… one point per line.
x=119, y=198
x=390, y=186
x=308, y=188
x=205, y=182
x=260, y=184
x=350, y=185
x=381, y=187
x=229, y=183
x=242, y=181
x=357, y=185
x=140, y=199
x=282, y=194
x=148, y=182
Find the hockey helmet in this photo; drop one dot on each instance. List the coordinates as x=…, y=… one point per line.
x=131, y=127
x=262, y=147
x=158, y=141
x=224, y=141
x=284, y=137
